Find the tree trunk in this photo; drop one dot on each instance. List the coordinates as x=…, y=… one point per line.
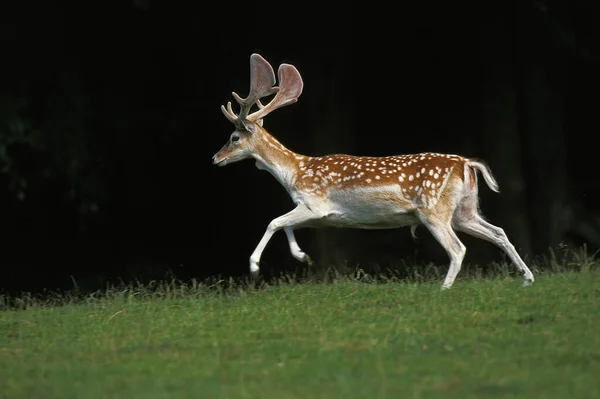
x=334, y=131
x=501, y=135
x=541, y=109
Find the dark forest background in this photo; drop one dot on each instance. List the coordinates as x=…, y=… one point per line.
x=109, y=117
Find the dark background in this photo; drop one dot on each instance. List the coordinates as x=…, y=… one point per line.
x=109, y=117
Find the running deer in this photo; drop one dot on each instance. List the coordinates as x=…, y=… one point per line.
x=439, y=191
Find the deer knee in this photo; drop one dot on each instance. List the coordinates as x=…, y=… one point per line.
x=274, y=226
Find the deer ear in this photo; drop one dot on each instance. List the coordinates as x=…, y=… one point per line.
x=249, y=126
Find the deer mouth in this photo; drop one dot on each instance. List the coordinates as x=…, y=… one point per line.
x=220, y=162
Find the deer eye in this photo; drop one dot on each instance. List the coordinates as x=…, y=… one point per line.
x=235, y=138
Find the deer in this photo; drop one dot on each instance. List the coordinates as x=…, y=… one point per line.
x=438, y=191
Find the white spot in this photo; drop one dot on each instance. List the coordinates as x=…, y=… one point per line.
x=401, y=178
x=430, y=172
x=368, y=180
x=411, y=177
x=377, y=177
x=428, y=183
x=423, y=170
x=301, y=163
x=435, y=176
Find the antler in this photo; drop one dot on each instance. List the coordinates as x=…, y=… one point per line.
x=262, y=81
x=290, y=88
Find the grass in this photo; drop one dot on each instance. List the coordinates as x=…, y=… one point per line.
x=348, y=338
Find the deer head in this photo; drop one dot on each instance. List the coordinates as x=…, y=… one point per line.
x=246, y=139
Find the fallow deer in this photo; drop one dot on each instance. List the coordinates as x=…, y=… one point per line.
x=439, y=191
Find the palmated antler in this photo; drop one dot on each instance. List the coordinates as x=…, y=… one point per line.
x=262, y=81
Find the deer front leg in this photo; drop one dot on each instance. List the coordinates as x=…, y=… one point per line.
x=295, y=218
x=297, y=253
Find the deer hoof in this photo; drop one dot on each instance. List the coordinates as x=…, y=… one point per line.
x=527, y=282
x=254, y=270
x=308, y=260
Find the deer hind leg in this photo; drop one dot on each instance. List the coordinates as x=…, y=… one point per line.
x=477, y=227
x=297, y=253
x=443, y=233
x=295, y=218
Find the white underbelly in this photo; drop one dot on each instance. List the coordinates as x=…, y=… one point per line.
x=368, y=208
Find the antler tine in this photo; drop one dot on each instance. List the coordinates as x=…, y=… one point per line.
x=229, y=114
x=290, y=88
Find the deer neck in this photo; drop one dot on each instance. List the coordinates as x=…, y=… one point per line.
x=278, y=160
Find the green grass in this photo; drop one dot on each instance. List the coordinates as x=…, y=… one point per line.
x=348, y=338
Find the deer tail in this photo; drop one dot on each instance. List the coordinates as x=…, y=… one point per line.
x=475, y=166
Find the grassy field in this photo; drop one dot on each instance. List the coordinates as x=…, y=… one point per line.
x=348, y=338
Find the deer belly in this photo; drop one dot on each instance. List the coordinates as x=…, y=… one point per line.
x=370, y=208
